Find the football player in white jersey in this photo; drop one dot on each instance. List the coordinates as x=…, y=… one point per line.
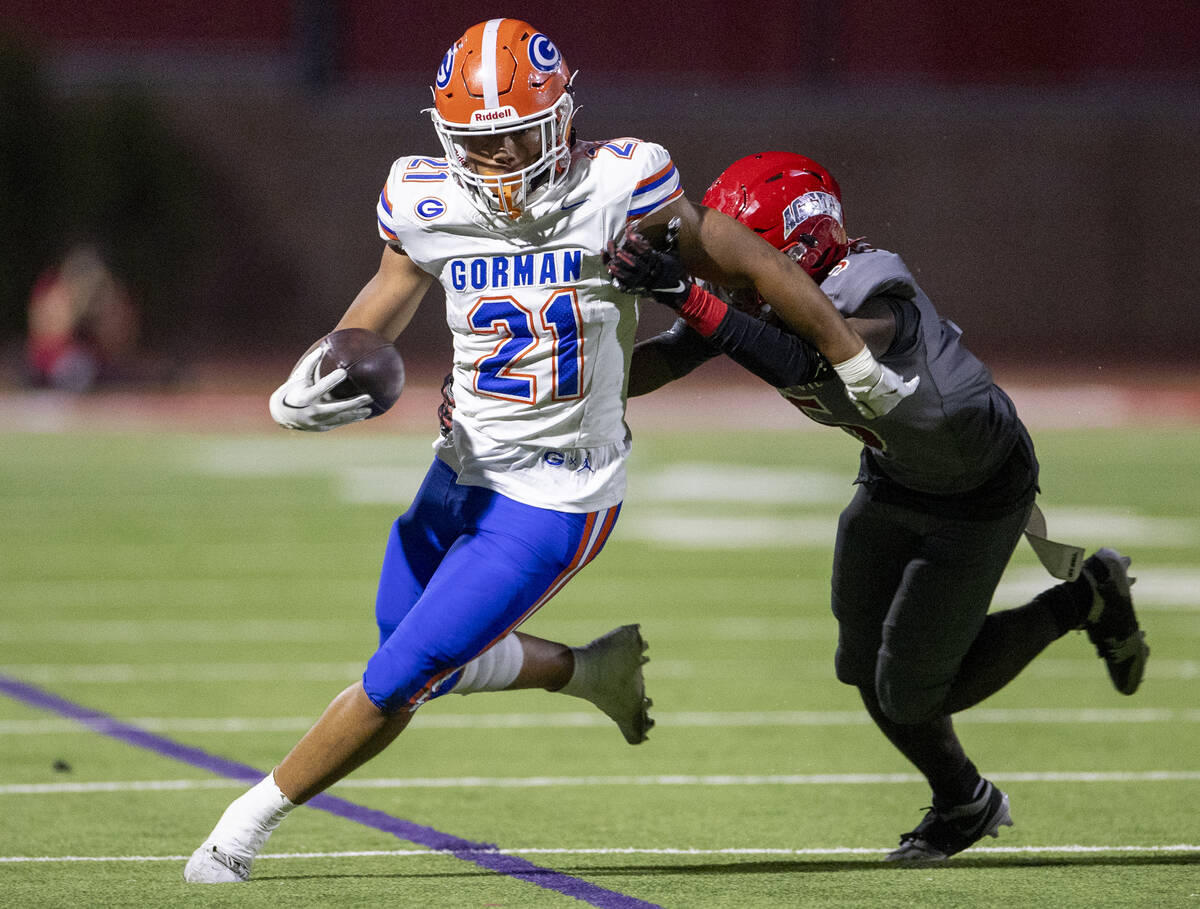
x=946, y=487
x=525, y=489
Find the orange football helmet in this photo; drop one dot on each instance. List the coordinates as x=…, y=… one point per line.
x=504, y=76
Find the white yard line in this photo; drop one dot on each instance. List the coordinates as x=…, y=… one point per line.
x=1083, y=666
x=1071, y=849
x=678, y=720
x=547, y=782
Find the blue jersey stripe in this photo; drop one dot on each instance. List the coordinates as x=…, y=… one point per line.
x=653, y=206
x=669, y=175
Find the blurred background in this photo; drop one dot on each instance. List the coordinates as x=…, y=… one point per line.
x=190, y=183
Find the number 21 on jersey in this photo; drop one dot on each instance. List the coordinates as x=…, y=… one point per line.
x=529, y=340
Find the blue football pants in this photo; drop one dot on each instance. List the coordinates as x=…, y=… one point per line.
x=464, y=566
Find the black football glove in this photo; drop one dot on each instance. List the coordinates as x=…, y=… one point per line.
x=446, y=408
x=636, y=267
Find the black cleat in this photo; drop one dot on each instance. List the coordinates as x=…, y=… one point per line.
x=1111, y=624
x=945, y=832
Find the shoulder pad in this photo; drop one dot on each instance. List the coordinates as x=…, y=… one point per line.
x=862, y=275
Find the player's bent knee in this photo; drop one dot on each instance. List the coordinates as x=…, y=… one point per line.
x=910, y=694
x=855, y=670
x=397, y=685
x=904, y=710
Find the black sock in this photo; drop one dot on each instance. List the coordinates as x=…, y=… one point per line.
x=965, y=786
x=1068, y=603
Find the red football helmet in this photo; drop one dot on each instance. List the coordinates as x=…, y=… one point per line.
x=789, y=200
x=504, y=76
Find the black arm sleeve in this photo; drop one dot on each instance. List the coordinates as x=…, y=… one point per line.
x=768, y=351
x=908, y=324
x=680, y=349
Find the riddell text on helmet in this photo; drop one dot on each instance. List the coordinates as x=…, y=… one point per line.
x=490, y=116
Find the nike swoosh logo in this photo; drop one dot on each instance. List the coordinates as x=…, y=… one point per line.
x=566, y=207
x=677, y=289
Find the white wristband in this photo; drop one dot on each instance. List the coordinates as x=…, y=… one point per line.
x=858, y=369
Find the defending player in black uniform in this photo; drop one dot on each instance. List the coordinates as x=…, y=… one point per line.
x=946, y=486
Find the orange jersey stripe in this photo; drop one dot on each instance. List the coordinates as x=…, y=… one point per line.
x=658, y=176
x=609, y=522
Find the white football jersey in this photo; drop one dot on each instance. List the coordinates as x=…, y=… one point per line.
x=542, y=339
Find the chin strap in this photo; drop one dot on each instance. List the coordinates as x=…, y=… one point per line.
x=1062, y=560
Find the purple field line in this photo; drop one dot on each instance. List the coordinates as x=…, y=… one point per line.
x=485, y=855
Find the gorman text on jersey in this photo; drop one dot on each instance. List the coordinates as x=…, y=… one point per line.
x=561, y=266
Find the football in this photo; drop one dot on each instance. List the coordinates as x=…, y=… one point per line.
x=373, y=366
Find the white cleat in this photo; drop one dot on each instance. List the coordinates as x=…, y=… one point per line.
x=209, y=865
x=608, y=672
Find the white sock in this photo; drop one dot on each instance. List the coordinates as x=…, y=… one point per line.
x=250, y=819
x=582, y=682
x=494, y=669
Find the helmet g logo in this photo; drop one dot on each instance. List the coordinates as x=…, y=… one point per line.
x=445, y=70
x=543, y=54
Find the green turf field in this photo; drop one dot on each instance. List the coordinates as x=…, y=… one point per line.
x=216, y=592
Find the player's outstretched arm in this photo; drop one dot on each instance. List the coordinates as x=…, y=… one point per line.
x=667, y=356
x=715, y=247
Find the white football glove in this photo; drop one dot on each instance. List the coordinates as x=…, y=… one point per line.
x=302, y=402
x=874, y=389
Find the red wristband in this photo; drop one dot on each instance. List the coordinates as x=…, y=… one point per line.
x=703, y=311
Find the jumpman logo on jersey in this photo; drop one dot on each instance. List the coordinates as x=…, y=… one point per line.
x=568, y=460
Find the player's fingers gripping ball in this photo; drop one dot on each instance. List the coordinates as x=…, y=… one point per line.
x=372, y=367
x=302, y=402
x=350, y=375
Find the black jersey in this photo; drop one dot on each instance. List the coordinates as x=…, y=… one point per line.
x=957, y=430
x=955, y=447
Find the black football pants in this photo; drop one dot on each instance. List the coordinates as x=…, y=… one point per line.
x=910, y=593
